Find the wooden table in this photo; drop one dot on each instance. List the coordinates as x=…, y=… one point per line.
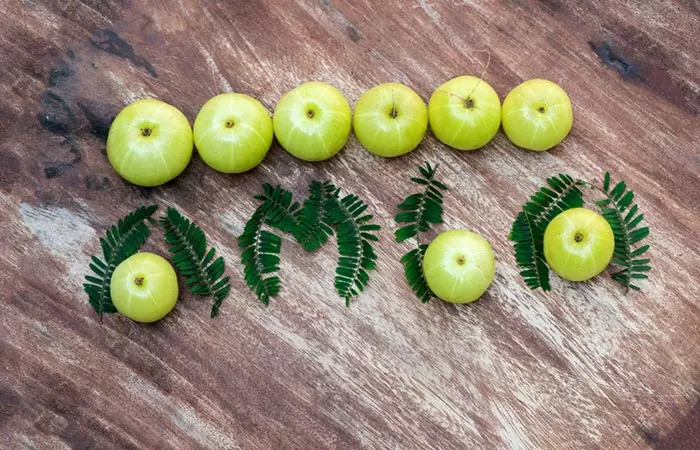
x=583, y=366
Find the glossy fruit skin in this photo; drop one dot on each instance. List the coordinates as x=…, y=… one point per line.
x=464, y=113
x=578, y=260
x=149, y=143
x=154, y=297
x=390, y=120
x=459, y=266
x=537, y=115
x=312, y=121
x=232, y=132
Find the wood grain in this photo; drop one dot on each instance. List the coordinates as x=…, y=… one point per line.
x=585, y=366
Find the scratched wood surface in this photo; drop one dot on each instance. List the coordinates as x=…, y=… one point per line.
x=584, y=366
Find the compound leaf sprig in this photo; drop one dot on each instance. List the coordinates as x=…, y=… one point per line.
x=203, y=274
x=417, y=213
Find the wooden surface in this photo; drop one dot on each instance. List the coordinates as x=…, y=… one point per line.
x=584, y=366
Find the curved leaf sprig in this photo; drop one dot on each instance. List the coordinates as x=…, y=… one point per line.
x=120, y=242
x=354, y=236
x=260, y=257
x=624, y=219
x=188, y=247
x=562, y=192
x=261, y=248
x=418, y=211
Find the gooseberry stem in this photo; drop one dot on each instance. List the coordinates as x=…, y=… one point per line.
x=483, y=73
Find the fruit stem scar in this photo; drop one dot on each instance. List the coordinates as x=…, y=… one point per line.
x=146, y=131
x=578, y=237
x=460, y=260
x=229, y=123
x=468, y=103
x=138, y=281
x=540, y=109
x=310, y=114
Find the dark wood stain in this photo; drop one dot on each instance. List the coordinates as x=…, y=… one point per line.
x=639, y=57
x=649, y=435
x=685, y=435
x=606, y=54
x=353, y=34
x=59, y=73
x=111, y=42
x=54, y=168
x=99, y=116
x=585, y=366
x=55, y=114
x=94, y=184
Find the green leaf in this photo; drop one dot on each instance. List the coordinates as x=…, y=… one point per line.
x=529, y=251
x=625, y=201
x=354, y=243
x=280, y=209
x=420, y=209
x=639, y=251
x=546, y=204
x=261, y=248
x=624, y=218
x=120, y=242
x=313, y=225
x=413, y=269
x=618, y=190
x=190, y=257
x=260, y=251
x=635, y=222
x=638, y=234
x=630, y=214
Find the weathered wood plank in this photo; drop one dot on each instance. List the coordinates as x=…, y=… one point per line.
x=585, y=366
